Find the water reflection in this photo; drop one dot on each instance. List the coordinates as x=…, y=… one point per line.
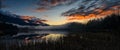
x=59, y=40
x=52, y=37
x=31, y=37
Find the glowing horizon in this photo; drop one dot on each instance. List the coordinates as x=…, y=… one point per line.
x=57, y=12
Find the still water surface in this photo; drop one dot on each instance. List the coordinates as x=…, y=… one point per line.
x=60, y=40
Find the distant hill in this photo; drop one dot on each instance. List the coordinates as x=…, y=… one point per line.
x=9, y=23
x=7, y=29
x=111, y=22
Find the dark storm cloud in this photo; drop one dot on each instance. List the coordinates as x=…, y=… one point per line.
x=47, y=4
x=2, y=5
x=7, y=17
x=86, y=7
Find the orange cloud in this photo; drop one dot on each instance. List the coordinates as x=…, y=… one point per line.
x=97, y=13
x=41, y=9
x=32, y=18
x=81, y=17
x=27, y=17
x=49, y=4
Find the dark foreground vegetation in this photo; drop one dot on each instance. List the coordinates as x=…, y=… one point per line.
x=72, y=41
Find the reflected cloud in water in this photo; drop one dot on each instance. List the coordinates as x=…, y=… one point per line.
x=32, y=37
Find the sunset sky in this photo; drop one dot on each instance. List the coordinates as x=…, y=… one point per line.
x=58, y=12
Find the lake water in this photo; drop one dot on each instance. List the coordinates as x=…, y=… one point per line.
x=60, y=40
